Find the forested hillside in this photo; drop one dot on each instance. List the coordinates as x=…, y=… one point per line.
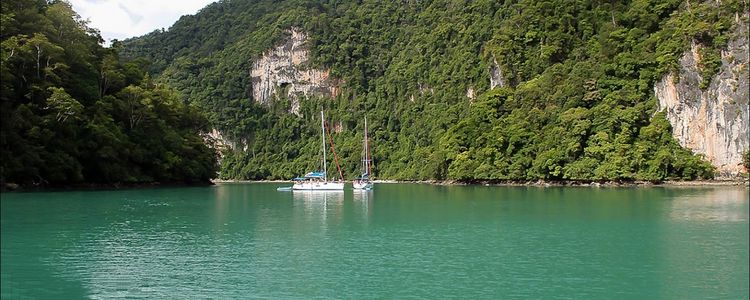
x=573, y=98
x=73, y=113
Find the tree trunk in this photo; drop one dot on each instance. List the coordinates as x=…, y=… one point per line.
x=38, y=58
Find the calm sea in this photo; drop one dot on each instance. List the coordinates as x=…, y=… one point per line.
x=398, y=241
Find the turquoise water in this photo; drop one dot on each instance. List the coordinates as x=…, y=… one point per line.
x=398, y=241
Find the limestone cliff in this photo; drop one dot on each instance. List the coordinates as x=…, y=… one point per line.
x=496, y=75
x=283, y=70
x=713, y=122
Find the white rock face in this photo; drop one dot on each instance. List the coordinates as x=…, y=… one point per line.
x=470, y=94
x=496, y=75
x=220, y=142
x=713, y=122
x=283, y=69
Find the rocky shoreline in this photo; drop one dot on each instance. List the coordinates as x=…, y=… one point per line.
x=532, y=183
x=8, y=187
x=543, y=183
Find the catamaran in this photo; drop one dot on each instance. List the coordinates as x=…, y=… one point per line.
x=318, y=181
x=363, y=181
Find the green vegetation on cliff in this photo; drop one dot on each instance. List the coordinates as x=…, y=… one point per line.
x=73, y=113
x=577, y=101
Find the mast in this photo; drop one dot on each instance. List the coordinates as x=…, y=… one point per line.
x=323, y=139
x=366, y=161
x=364, y=150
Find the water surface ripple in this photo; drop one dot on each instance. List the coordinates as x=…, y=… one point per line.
x=398, y=241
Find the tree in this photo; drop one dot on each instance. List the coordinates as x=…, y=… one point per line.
x=63, y=105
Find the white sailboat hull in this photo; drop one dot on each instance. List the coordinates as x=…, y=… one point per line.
x=362, y=185
x=318, y=181
x=318, y=186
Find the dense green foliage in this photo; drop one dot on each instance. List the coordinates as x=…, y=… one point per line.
x=73, y=113
x=577, y=104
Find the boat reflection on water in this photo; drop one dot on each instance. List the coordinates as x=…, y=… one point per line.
x=362, y=195
x=318, y=196
x=363, y=201
x=320, y=204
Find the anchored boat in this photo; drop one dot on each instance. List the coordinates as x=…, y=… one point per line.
x=318, y=181
x=363, y=181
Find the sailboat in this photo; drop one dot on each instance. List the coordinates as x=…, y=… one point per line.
x=318, y=181
x=363, y=181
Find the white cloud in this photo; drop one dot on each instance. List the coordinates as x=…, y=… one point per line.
x=121, y=19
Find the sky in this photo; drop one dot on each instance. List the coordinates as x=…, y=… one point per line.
x=121, y=19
